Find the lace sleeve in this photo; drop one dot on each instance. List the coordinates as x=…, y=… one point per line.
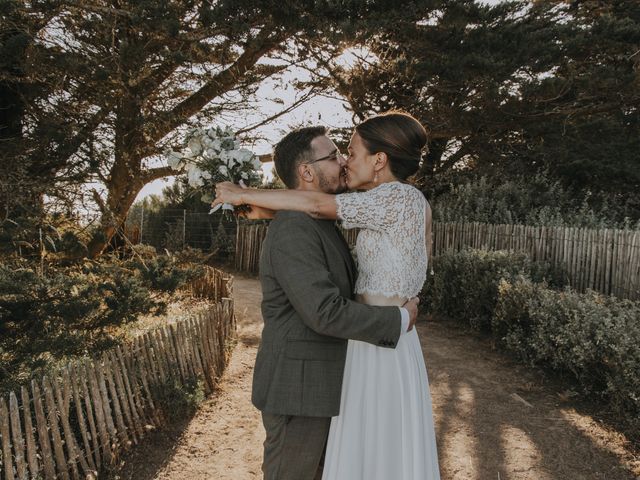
x=380, y=208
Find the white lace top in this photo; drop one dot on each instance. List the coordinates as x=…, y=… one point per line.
x=390, y=249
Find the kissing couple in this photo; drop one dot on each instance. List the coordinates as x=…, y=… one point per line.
x=340, y=373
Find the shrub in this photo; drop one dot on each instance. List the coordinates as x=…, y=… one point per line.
x=49, y=317
x=163, y=273
x=25, y=236
x=223, y=243
x=465, y=286
x=178, y=399
x=594, y=338
x=529, y=200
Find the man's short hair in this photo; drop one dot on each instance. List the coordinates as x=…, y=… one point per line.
x=292, y=150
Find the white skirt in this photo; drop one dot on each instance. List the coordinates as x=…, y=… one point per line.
x=385, y=427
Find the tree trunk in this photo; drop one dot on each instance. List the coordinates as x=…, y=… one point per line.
x=122, y=193
x=432, y=159
x=126, y=177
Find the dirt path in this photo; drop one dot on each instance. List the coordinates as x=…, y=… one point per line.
x=483, y=430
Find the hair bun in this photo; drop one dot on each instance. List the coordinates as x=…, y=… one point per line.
x=400, y=136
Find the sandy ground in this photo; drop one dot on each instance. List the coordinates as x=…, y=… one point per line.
x=495, y=419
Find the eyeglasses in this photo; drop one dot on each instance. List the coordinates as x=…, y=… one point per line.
x=332, y=156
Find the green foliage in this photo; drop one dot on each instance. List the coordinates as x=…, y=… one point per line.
x=174, y=236
x=465, y=285
x=223, y=242
x=527, y=200
x=43, y=319
x=593, y=338
x=30, y=236
x=75, y=311
x=511, y=89
x=163, y=273
x=126, y=297
x=178, y=399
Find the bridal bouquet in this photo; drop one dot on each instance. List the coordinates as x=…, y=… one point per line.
x=211, y=156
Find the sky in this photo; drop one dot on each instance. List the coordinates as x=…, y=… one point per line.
x=329, y=111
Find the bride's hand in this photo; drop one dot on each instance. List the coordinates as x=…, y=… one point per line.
x=227, y=192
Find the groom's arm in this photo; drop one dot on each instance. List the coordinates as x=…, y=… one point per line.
x=299, y=265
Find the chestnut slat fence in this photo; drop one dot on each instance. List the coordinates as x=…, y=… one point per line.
x=73, y=424
x=605, y=260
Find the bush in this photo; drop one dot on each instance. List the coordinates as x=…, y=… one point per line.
x=465, y=286
x=71, y=312
x=596, y=339
x=179, y=400
x=530, y=200
x=47, y=318
x=591, y=338
x=25, y=236
x=163, y=273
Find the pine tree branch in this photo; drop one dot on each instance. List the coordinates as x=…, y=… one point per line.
x=223, y=82
x=71, y=146
x=156, y=173
x=98, y=199
x=311, y=93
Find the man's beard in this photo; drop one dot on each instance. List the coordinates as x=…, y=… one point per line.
x=330, y=184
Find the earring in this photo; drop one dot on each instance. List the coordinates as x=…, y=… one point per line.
x=375, y=178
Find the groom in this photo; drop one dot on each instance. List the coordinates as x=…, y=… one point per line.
x=308, y=277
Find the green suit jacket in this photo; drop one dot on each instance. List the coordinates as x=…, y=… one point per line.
x=308, y=278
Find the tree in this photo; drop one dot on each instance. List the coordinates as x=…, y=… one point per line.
x=124, y=76
x=32, y=136
x=512, y=88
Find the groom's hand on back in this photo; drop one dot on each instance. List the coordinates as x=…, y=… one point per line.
x=412, y=307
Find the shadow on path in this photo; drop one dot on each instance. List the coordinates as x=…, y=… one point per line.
x=483, y=431
x=224, y=439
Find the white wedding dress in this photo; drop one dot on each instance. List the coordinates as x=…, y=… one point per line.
x=385, y=428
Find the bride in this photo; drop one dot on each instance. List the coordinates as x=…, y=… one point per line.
x=385, y=428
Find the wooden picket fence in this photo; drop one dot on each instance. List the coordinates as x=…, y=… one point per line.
x=76, y=423
x=249, y=238
x=605, y=260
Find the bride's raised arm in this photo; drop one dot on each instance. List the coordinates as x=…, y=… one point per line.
x=315, y=204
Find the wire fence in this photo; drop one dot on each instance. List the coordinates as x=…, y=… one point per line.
x=177, y=229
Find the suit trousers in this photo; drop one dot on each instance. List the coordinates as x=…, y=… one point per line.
x=294, y=446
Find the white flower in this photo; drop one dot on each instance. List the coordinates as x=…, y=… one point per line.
x=195, y=145
x=227, y=158
x=174, y=159
x=244, y=155
x=221, y=152
x=213, y=144
x=210, y=154
x=194, y=178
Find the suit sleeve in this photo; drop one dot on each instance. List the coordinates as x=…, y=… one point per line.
x=299, y=264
